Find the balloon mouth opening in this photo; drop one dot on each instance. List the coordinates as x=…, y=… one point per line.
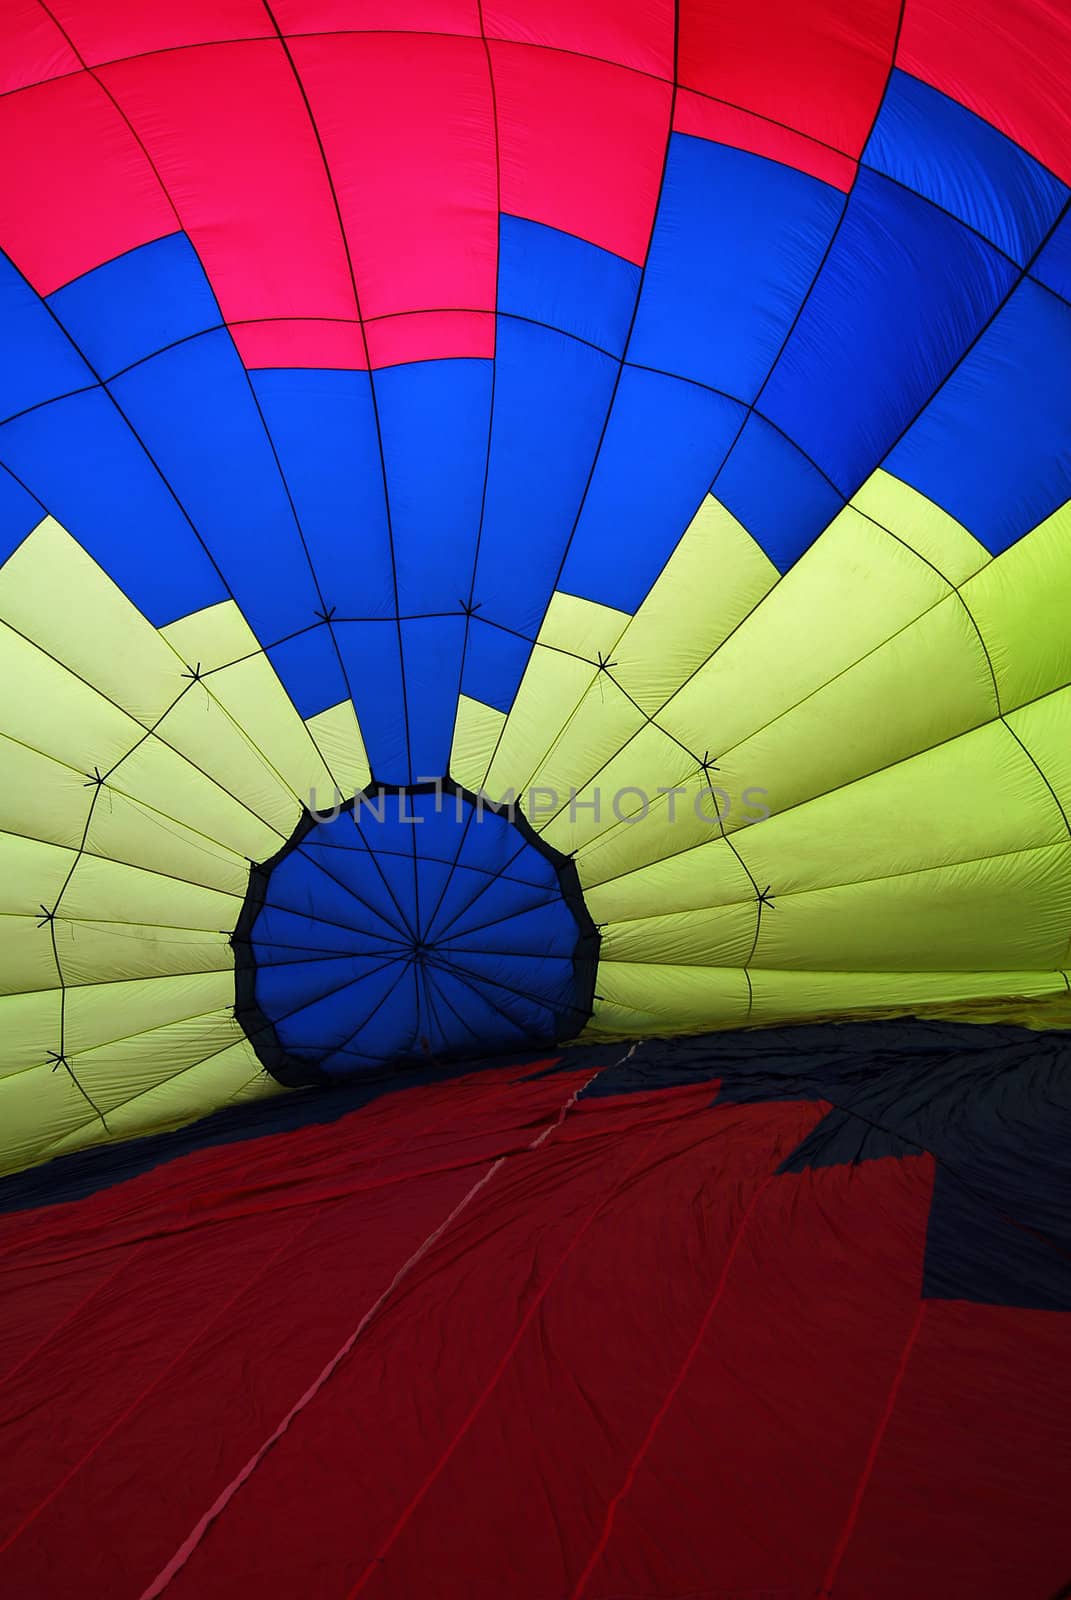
x=410, y=925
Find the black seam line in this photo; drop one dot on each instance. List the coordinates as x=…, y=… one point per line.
x=355, y=812
x=454, y=1012
x=402, y=936
x=435, y=1030
x=404, y=932
x=315, y=955
x=494, y=374
x=530, y=44
x=621, y=361
x=364, y=339
x=549, y=898
x=465, y=974
x=153, y=733
x=495, y=312
x=92, y=369
x=271, y=442
x=825, y=793
x=270, y=1024
x=650, y=719
x=61, y=1058
x=849, y=500
x=439, y=861
x=438, y=935
x=344, y=1047
x=476, y=984
x=824, y=259
x=854, y=883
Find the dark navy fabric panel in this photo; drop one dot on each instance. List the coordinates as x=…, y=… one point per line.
x=37, y=360
x=904, y=291
x=551, y=400
x=780, y=497
x=19, y=513
x=495, y=661
x=323, y=426
x=1053, y=265
x=434, y=417
x=194, y=408
x=736, y=243
x=665, y=441
x=83, y=462
x=963, y=164
x=133, y=306
x=994, y=448
x=307, y=665
x=555, y=278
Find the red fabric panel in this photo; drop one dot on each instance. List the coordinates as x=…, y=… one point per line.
x=81, y=191
x=582, y=145
x=32, y=48
x=428, y=335
x=819, y=68
x=108, y=30
x=391, y=16
x=257, y=1260
x=635, y=33
x=408, y=128
x=975, y=1466
x=592, y=1365
x=282, y=343
x=1008, y=60
x=711, y=119
x=230, y=135
x=751, y=1472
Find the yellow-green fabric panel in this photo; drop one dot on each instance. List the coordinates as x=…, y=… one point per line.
x=52, y=592
x=101, y=952
x=637, y=1000
x=477, y=730
x=604, y=720
x=1021, y=603
x=337, y=736
x=709, y=875
x=976, y=796
x=978, y=915
x=927, y=527
x=28, y=1022
x=649, y=761
x=27, y=964
x=801, y=996
x=852, y=590
x=1044, y=727
x=722, y=936
x=716, y=575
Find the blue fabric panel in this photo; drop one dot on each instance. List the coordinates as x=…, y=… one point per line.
x=432, y=648
x=565, y=282
x=494, y=664
x=323, y=427
x=994, y=448
x=308, y=668
x=372, y=659
x=1053, y=265
x=194, y=409
x=965, y=165
x=904, y=291
x=135, y=305
x=778, y=495
x=736, y=243
x=37, y=360
x=665, y=442
x=19, y=513
x=82, y=461
x=434, y=417
x=551, y=400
